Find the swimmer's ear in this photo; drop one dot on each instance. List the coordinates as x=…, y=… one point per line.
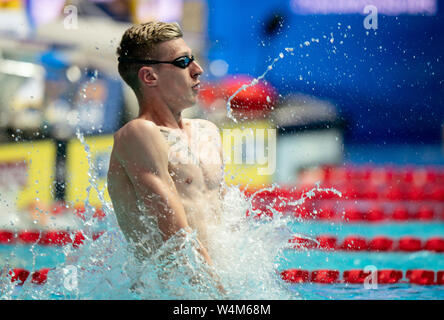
x=147, y=76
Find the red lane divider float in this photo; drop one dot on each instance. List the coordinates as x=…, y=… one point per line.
x=388, y=276
x=20, y=275
x=40, y=276
x=46, y=238
x=326, y=242
x=376, y=214
x=409, y=175
x=377, y=244
x=355, y=191
x=423, y=277
x=324, y=276
x=269, y=203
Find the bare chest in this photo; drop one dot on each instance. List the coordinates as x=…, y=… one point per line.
x=193, y=160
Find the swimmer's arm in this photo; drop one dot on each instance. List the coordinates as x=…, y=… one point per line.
x=141, y=148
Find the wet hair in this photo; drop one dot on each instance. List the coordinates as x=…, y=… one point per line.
x=140, y=42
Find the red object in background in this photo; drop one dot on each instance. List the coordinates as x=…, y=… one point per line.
x=420, y=176
x=338, y=175
x=379, y=176
x=40, y=276
x=78, y=239
x=350, y=191
x=435, y=244
x=353, y=214
x=259, y=97
x=437, y=193
x=6, y=237
x=324, y=276
x=416, y=193
x=355, y=276
x=253, y=101
x=394, y=193
x=362, y=173
x=370, y=191
x=59, y=238
x=375, y=214
x=209, y=93
x=18, y=274
x=322, y=194
x=432, y=175
x=79, y=210
x=400, y=213
x=326, y=213
x=261, y=213
x=406, y=174
x=263, y=201
x=440, y=277
x=425, y=213
x=295, y=276
x=326, y=171
x=389, y=173
x=350, y=174
x=389, y=276
x=301, y=212
x=303, y=243
x=96, y=235
x=422, y=277
x=327, y=242
x=28, y=236
x=99, y=213
x=354, y=243
x=380, y=243
x=58, y=208
x=409, y=244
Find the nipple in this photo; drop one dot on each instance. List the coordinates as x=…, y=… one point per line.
x=189, y=180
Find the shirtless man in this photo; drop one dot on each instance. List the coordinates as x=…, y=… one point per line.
x=149, y=174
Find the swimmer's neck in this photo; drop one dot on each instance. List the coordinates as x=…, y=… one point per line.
x=161, y=114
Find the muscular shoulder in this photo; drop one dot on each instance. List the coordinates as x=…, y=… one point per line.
x=137, y=136
x=205, y=124
x=135, y=129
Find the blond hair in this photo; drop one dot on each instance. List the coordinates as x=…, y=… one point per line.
x=139, y=42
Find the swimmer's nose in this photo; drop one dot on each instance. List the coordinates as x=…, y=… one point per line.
x=196, y=70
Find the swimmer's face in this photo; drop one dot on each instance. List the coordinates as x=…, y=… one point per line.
x=177, y=87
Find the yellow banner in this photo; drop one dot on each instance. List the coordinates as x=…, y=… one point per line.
x=83, y=175
x=11, y=4
x=249, y=152
x=27, y=172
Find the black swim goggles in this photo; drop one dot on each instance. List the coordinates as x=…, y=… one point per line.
x=181, y=62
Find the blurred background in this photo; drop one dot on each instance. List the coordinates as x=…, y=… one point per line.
x=356, y=97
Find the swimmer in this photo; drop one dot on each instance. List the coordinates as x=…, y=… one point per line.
x=163, y=166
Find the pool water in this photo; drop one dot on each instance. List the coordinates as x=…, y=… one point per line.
x=251, y=253
x=37, y=257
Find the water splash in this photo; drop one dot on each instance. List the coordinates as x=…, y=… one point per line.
x=281, y=55
x=252, y=83
x=245, y=252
